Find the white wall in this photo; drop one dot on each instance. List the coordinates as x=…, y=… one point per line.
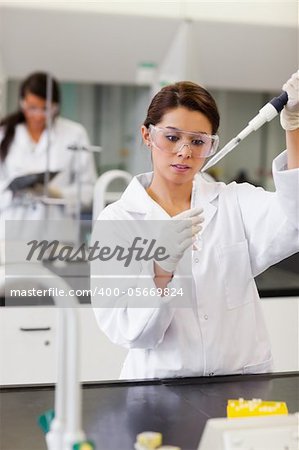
x=282, y=321
x=96, y=46
x=243, y=11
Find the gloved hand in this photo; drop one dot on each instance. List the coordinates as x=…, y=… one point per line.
x=52, y=191
x=289, y=116
x=177, y=235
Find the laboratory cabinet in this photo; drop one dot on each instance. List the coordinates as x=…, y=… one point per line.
x=28, y=346
x=28, y=342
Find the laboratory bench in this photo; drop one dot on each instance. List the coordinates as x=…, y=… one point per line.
x=115, y=412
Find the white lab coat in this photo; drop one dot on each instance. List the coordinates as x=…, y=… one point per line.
x=246, y=230
x=26, y=158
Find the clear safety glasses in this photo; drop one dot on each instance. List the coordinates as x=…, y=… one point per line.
x=36, y=111
x=173, y=141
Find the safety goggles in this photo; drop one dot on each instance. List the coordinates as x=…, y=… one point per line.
x=173, y=141
x=36, y=111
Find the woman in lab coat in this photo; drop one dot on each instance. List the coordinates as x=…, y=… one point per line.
x=24, y=139
x=245, y=230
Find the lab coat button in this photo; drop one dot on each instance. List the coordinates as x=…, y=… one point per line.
x=196, y=260
x=206, y=317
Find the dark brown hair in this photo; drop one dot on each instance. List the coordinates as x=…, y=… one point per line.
x=187, y=94
x=36, y=84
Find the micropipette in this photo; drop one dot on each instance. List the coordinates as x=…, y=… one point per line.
x=267, y=113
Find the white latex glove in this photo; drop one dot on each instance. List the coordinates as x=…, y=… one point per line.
x=177, y=235
x=289, y=117
x=52, y=191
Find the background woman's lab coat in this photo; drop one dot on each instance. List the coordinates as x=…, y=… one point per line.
x=26, y=157
x=222, y=331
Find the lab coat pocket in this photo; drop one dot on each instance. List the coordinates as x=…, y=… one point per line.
x=263, y=367
x=236, y=274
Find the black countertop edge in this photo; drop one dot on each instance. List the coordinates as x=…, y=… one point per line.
x=227, y=378
x=287, y=292
x=157, y=381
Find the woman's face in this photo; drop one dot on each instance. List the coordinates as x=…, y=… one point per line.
x=34, y=110
x=182, y=166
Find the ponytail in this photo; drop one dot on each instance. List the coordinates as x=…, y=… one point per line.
x=9, y=125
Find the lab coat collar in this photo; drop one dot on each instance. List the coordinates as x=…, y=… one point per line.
x=43, y=141
x=136, y=200
x=206, y=192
